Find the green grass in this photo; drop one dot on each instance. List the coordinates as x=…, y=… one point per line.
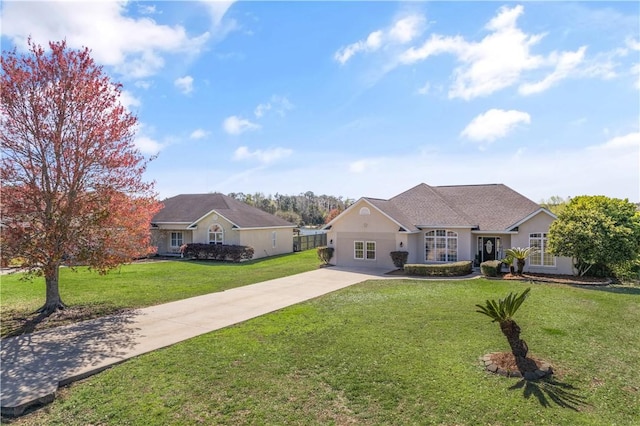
x=89, y=294
x=384, y=353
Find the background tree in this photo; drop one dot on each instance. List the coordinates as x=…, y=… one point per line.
x=72, y=189
x=596, y=231
x=555, y=204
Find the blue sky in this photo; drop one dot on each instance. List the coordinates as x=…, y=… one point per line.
x=367, y=98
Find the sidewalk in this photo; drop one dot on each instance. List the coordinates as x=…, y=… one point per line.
x=35, y=365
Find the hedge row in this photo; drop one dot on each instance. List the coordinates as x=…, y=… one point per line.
x=491, y=268
x=217, y=252
x=455, y=269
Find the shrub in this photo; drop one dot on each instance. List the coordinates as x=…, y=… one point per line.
x=399, y=258
x=325, y=254
x=221, y=252
x=490, y=268
x=455, y=269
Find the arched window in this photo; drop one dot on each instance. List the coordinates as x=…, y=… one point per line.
x=216, y=234
x=441, y=246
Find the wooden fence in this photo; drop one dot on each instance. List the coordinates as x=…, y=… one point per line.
x=307, y=242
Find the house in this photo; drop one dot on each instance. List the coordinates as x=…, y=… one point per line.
x=440, y=224
x=218, y=219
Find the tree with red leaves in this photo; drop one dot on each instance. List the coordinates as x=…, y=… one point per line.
x=72, y=187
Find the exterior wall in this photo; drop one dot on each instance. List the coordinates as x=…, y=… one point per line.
x=352, y=226
x=201, y=233
x=540, y=224
x=262, y=241
x=161, y=238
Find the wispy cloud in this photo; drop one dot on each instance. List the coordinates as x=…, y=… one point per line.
x=494, y=124
x=402, y=31
x=235, y=125
x=278, y=104
x=263, y=156
x=199, y=134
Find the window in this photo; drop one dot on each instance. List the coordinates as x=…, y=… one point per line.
x=541, y=257
x=364, y=250
x=273, y=239
x=441, y=246
x=216, y=234
x=176, y=239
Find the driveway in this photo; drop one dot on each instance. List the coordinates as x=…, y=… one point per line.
x=35, y=365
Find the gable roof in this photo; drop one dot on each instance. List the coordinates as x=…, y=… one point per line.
x=191, y=208
x=491, y=207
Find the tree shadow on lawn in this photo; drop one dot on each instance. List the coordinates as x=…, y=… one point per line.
x=550, y=390
x=618, y=289
x=16, y=323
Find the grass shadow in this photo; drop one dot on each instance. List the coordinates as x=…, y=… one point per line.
x=549, y=391
x=612, y=288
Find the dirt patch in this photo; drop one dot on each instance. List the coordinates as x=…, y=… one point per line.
x=505, y=364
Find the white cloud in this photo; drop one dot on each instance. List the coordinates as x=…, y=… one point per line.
x=494, y=124
x=424, y=90
x=625, y=142
x=504, y=57
x=147, y=145
x=184, y=84
x=199, y=134
x=135, y=47
x=235, y=125
x=279, y=104
x=496, y=62
x=263, y=156
x=364, y=165
x=402, y=31
x=128, y=100
x=217, y=9
x=566, y=64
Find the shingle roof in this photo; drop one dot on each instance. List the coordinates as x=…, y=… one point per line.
x=188, y=208
x=493, y=207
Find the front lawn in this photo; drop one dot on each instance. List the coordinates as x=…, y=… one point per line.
x=386, y=353
x=90, y=295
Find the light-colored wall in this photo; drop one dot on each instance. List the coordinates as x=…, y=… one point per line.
x=262, y=241
x=540, y=224
x=161, y=238
x=201, y=233
x=351, y=227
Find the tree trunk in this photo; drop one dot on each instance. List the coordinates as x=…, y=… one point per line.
x=511, y=330
x=53, y=301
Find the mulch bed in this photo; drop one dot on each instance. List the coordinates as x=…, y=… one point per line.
x=561, y=279
x=504, y=364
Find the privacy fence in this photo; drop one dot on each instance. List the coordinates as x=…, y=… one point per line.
x=307, y=242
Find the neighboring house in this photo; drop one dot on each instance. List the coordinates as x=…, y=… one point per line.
x=219, y=219
x=441, y=224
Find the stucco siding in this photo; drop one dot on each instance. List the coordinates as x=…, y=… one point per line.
x=364, y=225
x=201, y=233
x=540, y=224
x=262, y=241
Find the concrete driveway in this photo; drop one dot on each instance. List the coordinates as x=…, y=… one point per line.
x=35, y=365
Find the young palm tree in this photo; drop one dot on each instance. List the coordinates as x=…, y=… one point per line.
x=502, y=312
x=520, y=254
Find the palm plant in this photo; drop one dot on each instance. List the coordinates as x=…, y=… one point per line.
x=502, y=312
x=520, y=255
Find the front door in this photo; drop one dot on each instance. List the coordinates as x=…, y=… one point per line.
x=488, y=249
